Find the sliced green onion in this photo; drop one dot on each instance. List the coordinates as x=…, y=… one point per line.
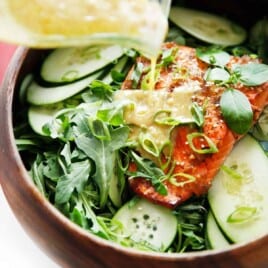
x=189, y=178
x=242, y=214
x=198, y=114
x=211, y=146
x=165, y=155
x=163, y=118
x=148, y=145
x=231, y=172
x=123, y=161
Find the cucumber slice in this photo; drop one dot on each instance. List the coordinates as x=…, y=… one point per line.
x=238, y=196
x=38, y=116
x=39, y=95
x=70, y=64
x=207, y=27
x=148, y=224
x=214, y=236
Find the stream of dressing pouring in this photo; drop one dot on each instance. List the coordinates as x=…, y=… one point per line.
x=141, y=25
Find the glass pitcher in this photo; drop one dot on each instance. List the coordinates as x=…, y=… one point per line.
x=141, y=24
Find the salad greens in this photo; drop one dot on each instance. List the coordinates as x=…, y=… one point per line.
x=81, y=158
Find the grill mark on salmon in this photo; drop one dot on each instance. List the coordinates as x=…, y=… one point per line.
x=203, y=167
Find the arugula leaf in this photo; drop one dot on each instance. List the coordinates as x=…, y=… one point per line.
x=75, y=179
x=236, y=110
x=77, y=216
x=52, y=168
x=148, y=170
x=83, y=215
x=96, y=228
x=191, y=225
x=66, y=153
x=37, y=174
x=81, y=125
x=252, y=74
x=102, y=152
x=213, y=55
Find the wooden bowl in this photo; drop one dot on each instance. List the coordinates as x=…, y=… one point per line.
x=65, y=242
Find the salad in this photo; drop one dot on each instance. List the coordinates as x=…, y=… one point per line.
x=119, y=145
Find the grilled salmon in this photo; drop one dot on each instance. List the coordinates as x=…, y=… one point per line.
x=193, y=172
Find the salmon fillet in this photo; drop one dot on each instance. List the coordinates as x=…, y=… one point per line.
x=185, y=69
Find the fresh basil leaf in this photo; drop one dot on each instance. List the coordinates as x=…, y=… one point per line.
x=75, y=179
x=213, y=56
x=236, y=110
x=217, y=75
x=252, y=74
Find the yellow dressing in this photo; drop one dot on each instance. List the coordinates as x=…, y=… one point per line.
x=143, y=105
x=152, y=79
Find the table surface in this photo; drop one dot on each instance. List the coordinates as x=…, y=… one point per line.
x=17, y=250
